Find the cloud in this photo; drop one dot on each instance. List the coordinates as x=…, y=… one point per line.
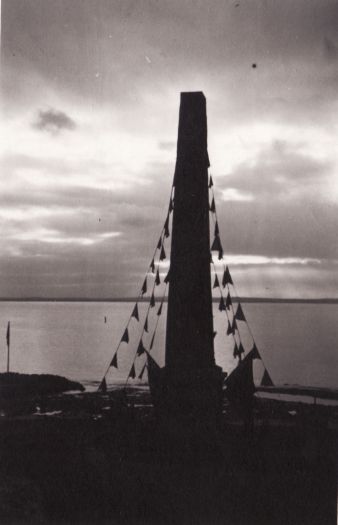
x=252, y=260
x=271, y=130
x=53, y=121
x=282, y=169
x=232, y=194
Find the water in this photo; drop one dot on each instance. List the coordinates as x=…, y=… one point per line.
x=298, y=342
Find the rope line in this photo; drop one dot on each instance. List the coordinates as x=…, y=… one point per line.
x=215, y=219
x=149, y=270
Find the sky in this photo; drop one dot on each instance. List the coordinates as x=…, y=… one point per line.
x=89, y=99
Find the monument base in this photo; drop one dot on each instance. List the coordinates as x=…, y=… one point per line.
x=195, y=393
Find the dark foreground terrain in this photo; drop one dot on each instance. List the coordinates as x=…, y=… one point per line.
x=97, y=459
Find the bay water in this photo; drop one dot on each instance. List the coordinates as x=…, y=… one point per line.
x=298, y=342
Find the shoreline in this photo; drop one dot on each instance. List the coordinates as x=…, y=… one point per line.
x=292, y=300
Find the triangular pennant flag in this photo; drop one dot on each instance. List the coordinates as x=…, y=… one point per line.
x=266, y=379
x=103, y=386
x=140, y=348
x=152, y=341
x=171, y=205
x=216, y=283
x=216, y=229
x=210, y=182
x=114, y=361
x=157, y=278
x=221, y=304
x=241, y=349
x=229, y=330
x=214, y=334
x=132, y=372
x=152, y=266
x=125, y=337
x=159, y=244
x=254, y=352
x=142, y=371
x=167, y=277
x=226, y=277
x=144, y=287
x=220, y=254
x=162, y=254
x=212, y=207
x=239, y=313
x=235, y=352
x=135, y=312
x=145, y=328
x=160, y=309
x=216, y=245
x=152, y=301
x=166, y=227
x=234, y=325
x=228, y=302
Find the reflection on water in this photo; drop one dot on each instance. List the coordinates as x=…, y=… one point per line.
x=297, y=341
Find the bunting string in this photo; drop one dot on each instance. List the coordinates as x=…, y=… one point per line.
x=137, y=353
x=217, y=235
x=151, y=269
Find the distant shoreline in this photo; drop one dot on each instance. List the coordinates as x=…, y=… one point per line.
x=145, y=299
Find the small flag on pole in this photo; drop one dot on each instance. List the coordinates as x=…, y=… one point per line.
x=167, y=277
x=229, y=330
x=8, y=334
x=171, y=206
x=145, y=328
x=234, y=325
x=210, y=182
x=235, y=352
x=212, y=206
x=159, y=244
x=160, y=309
x=8, y=338
x=157, y=278
x=152, y=266
x=216, y=229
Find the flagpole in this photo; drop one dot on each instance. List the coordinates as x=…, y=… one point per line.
x=8, y=344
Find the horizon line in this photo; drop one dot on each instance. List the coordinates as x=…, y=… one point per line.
x=244, y=299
